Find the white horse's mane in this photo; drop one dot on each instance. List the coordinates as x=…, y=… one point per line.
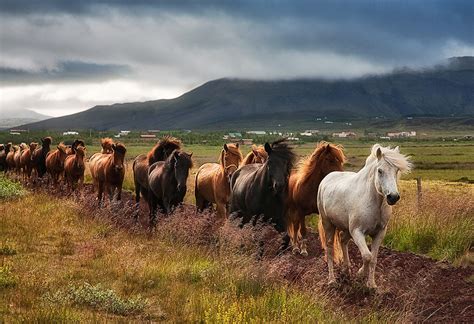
x=392, y=157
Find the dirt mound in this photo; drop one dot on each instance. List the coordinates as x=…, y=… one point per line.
x=421, y=288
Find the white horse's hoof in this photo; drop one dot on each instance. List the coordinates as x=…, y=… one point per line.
x=295, y=250
x=304, y=253
x=332, y=282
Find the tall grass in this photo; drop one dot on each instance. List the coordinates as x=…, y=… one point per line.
x=440, y=226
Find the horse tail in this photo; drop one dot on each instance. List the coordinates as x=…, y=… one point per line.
x=337, y=257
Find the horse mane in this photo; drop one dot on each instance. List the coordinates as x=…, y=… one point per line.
x=187, y=157
x=106, y=144
x=308, y=164
x=62, y=147
x=157, y=152
x=81, y=149
x=23, y=146
x=282, y=150
x=392, y=157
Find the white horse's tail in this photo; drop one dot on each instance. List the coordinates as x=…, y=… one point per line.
x=337, y=243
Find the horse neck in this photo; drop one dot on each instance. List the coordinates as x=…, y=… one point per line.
x=366, y=177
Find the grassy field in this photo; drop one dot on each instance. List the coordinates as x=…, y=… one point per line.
x=60, y=266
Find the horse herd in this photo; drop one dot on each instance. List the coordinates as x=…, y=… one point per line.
x=265, y=183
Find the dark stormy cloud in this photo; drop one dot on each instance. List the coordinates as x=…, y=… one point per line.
x=63, y=56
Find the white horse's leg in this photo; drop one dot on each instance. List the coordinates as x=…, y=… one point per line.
x=345, y=238
x=359, y=240
x=375, y=250
x=330, y=231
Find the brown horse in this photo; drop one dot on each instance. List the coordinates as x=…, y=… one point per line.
x=74, y=167
x=26, y=160
x=256, y=155
x=159, y=152
x=108, y=171
x=18, y=167
x=10, y=159
x=55, y=163
x=212, y=184
x=303, y=187
x=168, y=183
x=39, y=156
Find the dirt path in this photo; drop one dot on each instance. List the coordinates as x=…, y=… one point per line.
x=421, y=288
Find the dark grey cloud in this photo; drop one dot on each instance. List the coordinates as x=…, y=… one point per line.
x=147, y=48
x=64, y=72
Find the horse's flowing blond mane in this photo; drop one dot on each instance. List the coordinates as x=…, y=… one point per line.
x=392, y=157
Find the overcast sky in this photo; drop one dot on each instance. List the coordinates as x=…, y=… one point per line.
x=60, y=57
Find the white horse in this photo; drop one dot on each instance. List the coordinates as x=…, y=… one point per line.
x=360, y=204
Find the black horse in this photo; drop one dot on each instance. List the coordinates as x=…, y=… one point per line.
x=167, y=182
x=39, y=156
x=262, y=189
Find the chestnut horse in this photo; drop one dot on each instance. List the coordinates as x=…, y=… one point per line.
x=212, y=184
x=108, y=171
x=39, y=156
x=10, y=159
x=17, y=157
x=26, y=160
x=74, y=167
x=159, y=152
x=303, y=185
x=55, y=162
x=168, y=183
x=256, y=155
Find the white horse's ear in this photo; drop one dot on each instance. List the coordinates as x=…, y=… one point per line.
x=397, y=149
x=379, y=153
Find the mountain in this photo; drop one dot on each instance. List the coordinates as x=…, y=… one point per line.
x=12, y=118
x=445, y=90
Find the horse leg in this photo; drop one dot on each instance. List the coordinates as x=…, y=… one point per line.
x=359, y=240
x=221, y=209
x=375, y=250
x=119, y=193
x=302, y=234
x=330, y=231
x=137, y=192
x=345, y=238
x=100, y=187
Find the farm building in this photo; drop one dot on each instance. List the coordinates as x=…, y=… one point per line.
x=401, y=134
x=344, y=135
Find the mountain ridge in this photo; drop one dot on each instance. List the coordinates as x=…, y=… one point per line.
x=444, y=90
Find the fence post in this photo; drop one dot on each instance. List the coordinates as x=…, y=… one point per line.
x=419, y=193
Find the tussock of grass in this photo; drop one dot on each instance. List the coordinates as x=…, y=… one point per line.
x=440, y=227
x=10, y=189
x=97, y=297
x=7, y=280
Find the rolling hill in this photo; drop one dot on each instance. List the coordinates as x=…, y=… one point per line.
x=441, y=91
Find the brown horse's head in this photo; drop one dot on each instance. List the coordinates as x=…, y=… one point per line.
x=181, y=163
x=33, y=146
x=2, y=147
x=329, y=157
x=62, y=152
x=259, y=153
x=230, y=158
x=118, y=151
x=23, y=146
x=80, y=154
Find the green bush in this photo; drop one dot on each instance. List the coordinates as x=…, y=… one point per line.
x=10, y=189
x=98, y=298
x=7, y=280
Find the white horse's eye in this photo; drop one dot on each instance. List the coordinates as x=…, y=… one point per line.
x=380, y=171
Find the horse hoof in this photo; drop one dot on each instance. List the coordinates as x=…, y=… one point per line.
x=332, y=282
x=296, y=250
x=304, y=253
x=371, y=285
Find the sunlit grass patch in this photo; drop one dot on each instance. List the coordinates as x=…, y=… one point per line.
x=10, y=189
x=97, y=297
x=7, y=279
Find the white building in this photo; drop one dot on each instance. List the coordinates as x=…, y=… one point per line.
x=344, y=135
